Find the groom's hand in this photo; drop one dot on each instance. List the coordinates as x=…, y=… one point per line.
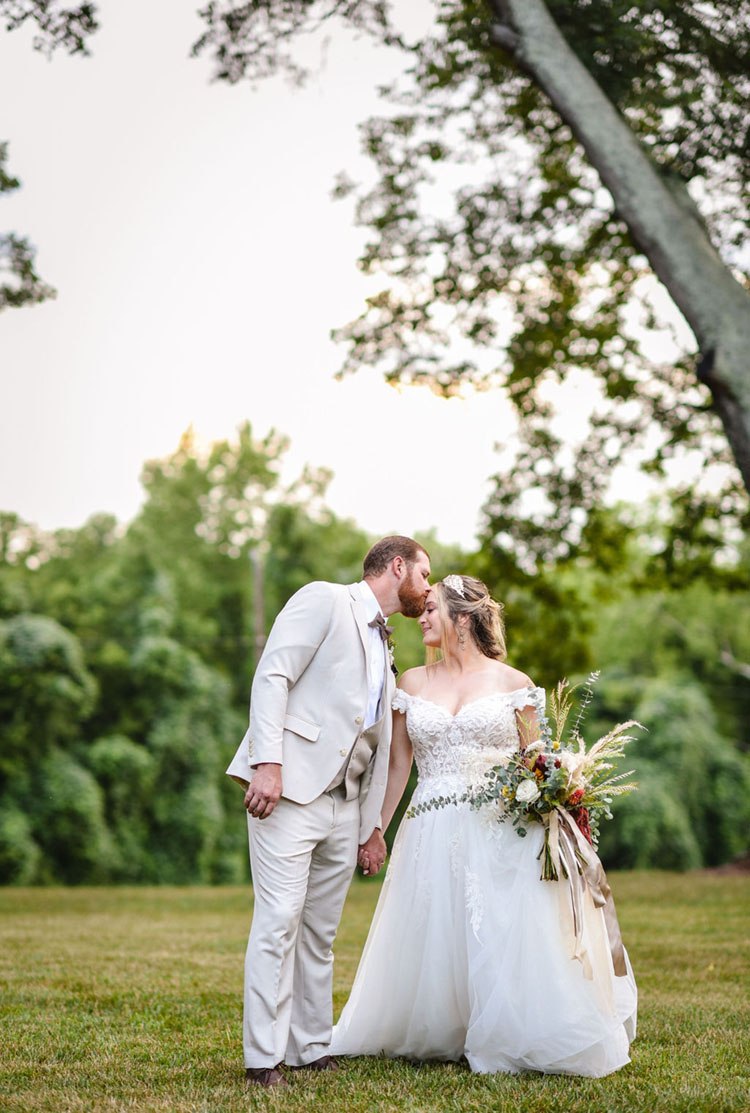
x=372, y=853
x=264, y=791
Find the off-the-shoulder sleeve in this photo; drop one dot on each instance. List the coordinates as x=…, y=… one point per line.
x=400, y=700
x=529, y=697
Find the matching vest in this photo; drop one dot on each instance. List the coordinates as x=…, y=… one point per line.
x=356, y=762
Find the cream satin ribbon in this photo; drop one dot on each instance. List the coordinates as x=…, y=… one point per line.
x=577, y=863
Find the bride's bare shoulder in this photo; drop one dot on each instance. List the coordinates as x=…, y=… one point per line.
x=511, y=679
x=413, y=680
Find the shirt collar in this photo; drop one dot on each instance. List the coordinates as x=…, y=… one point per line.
x=372, y=607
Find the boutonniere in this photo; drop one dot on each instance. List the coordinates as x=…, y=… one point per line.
x=391, y=662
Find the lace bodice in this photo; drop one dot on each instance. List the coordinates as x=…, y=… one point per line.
x=453, y=751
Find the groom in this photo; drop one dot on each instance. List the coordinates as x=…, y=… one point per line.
x=315, y=763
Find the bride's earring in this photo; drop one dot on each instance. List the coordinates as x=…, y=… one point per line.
x=461, y=638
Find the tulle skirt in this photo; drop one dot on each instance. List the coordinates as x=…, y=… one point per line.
x=467, y=956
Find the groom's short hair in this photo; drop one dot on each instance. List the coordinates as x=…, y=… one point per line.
x=383, y=552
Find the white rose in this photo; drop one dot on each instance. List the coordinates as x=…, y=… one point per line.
x=527, y=792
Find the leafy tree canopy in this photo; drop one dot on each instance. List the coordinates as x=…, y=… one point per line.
x=19, y=282
x=55, y=25
x=508, y=264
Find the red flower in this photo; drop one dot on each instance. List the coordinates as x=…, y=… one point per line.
x=575, y=797
x=581, y=816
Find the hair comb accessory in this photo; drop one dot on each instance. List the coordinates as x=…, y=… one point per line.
x=455, y=583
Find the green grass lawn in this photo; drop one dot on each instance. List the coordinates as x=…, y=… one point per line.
x=130, y=999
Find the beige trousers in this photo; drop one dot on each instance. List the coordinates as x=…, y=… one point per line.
x=302, y=857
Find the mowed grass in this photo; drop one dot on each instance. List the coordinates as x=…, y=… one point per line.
x=130, y=999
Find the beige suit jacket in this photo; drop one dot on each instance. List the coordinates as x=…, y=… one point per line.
x=309, y=698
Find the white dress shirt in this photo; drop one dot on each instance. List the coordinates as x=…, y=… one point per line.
x=377, y=654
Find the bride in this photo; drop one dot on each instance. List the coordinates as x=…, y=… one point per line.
x=466, y=955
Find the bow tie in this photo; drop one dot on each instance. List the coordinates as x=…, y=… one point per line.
x=378, y=624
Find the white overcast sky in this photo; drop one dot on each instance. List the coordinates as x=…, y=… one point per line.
x=200, y=264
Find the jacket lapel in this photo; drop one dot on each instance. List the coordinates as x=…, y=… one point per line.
x=360, y=617
x=390, y=675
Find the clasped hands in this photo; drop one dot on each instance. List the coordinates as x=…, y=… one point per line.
x=372, y=853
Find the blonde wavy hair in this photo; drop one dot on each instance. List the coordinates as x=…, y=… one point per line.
x=485, y=623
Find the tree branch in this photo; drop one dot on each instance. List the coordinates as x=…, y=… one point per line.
x=739, y=667
x=505, y=37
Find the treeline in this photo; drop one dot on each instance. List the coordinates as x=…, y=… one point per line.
x=126, y=657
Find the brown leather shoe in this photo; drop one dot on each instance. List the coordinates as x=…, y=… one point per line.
x=326, y=1062
x=264, y=1076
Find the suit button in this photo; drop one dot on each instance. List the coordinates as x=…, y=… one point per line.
x=343, y=752
x=358, y=720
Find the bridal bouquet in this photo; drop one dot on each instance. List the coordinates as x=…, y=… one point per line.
x=556, y=781
x=556, y=773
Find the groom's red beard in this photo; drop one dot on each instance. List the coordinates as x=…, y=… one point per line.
x=411, y=600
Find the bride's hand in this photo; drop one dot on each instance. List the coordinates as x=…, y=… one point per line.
x=372, y=853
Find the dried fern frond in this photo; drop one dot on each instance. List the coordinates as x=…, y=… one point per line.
x=588, y=695
x=614, y=741
x=560, y=702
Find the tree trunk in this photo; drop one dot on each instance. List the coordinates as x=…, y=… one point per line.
x=664, y=223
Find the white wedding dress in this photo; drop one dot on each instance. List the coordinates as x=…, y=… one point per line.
x=466, y=955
